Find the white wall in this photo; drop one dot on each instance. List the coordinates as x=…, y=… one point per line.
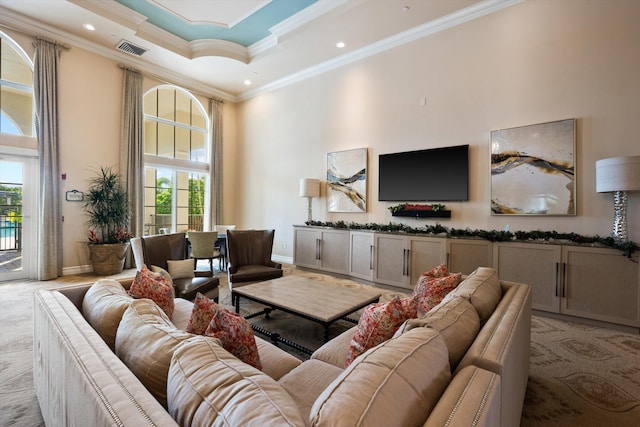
x=534, y=62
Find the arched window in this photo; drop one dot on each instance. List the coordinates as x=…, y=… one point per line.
x=176, y=128
x=17, y=124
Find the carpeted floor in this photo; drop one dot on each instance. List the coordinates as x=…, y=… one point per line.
x=580, y=375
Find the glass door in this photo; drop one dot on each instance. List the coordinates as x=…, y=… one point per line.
x=17, y=202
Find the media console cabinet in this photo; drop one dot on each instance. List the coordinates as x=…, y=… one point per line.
x=584, y=282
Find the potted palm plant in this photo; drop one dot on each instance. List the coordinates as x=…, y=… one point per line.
x=107, y=206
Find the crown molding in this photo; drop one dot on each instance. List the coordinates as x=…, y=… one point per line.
x=23, y=24
x=459, y=17
x=29, y=26
x=305, y=16
x=113, y=11
x=294, y=22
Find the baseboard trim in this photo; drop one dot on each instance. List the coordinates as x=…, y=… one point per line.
x=282, y=259
x=78, y=269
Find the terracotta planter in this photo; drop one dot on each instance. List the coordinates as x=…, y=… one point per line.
x=108, y=259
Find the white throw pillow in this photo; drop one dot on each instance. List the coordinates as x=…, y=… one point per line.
x=181, y=269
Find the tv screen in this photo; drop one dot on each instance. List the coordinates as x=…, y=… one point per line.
x=437, y=174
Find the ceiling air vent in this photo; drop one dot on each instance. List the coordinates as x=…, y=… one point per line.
x=130, y=48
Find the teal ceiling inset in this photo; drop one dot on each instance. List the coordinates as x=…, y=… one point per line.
x=247, y=32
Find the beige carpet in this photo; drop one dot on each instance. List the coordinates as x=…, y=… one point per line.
x=580, y=375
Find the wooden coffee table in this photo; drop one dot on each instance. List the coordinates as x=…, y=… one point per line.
x=319, y=301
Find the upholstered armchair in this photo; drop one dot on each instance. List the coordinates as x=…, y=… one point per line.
x=160, y=250
x=249, y=254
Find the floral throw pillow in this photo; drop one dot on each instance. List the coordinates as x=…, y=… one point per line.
x=438, y=271
x=429, y=291
x=235, y=334
x=204, y=309
x=378, y=323
x=153, y=286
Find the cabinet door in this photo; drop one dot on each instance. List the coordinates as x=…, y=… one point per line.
x=391, y=261
x=535, y=265
x=334, y=251
x=306, y=247
x=464, y=256
x=425, y=253
x=361, y=255
x=601, y=284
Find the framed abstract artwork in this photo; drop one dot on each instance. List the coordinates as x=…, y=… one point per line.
x=347, y=181
x=533, y=169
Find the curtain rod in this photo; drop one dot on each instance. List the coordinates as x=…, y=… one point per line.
x=163, y=80
x=62, y=45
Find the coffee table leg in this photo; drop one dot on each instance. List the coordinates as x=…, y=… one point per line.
x=326, y=331
x=236, y=299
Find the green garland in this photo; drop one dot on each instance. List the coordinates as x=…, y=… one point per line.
x=628, y=247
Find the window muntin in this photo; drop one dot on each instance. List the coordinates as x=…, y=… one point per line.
x=173, y=200
x=16, y=90
x=176, y=161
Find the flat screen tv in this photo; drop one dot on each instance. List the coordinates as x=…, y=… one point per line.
x=437, y=174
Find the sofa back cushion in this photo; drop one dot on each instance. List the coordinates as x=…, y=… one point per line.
x=145, y=342
x=103, y=306
x=209, y=386
x=396, y=383
x=482, y=289
x=456, y=320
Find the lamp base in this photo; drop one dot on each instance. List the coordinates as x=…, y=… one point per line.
x=619, y=232
x=309, y=219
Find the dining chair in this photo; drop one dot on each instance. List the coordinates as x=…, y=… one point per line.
x=221, y=243
x=203, y=246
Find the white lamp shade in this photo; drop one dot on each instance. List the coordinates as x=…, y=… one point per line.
x=618, y=174
x=309, y=187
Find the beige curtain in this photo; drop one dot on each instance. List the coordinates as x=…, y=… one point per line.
x=45, y=89
x=132, y=148
x=215, y=161
x=132, y=151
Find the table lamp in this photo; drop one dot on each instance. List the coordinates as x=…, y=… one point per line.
x=309, y=188
x=618, y=175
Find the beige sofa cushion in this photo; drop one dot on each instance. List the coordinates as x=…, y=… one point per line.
x=335, y=351
x=275, y=361
x=472, y=399
x=103, y=306
x=456, y=320
x=181, y=313
x=305, y=383
x=209, y=386
x=145, y=342
x=482, y=289
x=396, y=383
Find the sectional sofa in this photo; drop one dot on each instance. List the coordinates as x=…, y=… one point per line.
x=465, y=363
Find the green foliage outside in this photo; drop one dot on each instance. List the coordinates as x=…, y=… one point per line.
x=164, y=199
x=11, y=203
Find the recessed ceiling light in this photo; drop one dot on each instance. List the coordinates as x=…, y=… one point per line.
x=247, y=82
x=340, y=45
x=89, y=27
x=405, y=9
